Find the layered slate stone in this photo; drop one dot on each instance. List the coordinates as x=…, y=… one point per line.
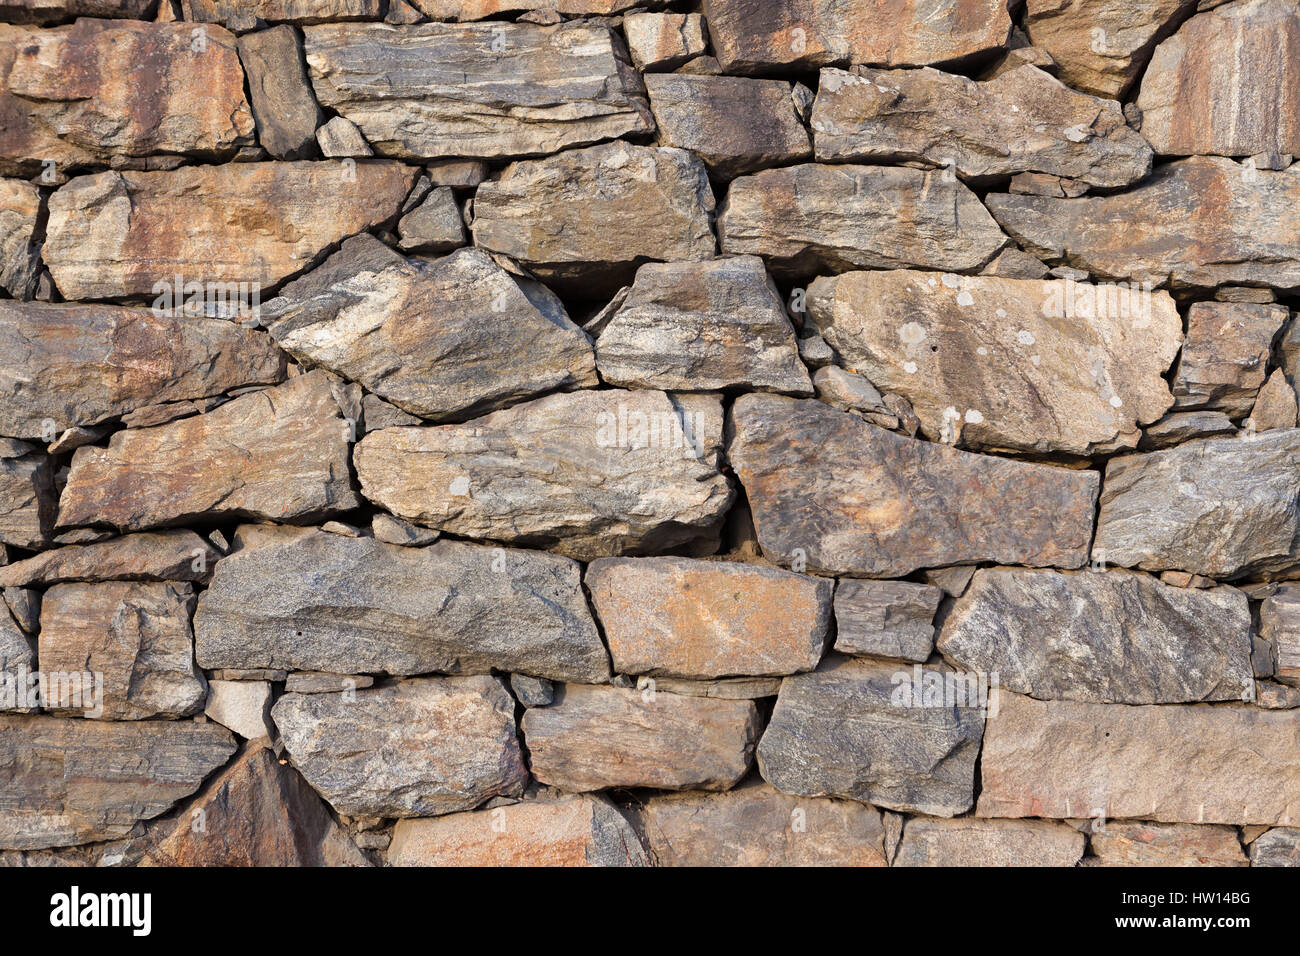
x=28, y=501
x=357, y=605
x=594, y=737
x=576, y=830
x=73, y=95
x=1196, y=222
x=491, y=90
x=176, y=555
x=973, y=842
x=588, y=473
x=757, y=825
x=1012, y=364
x=1114, y=637
x=697, y=326
x=451, y=338
x=1226, y=83
x=48, y=11
x=679, y=617
x=842, y=496
x=71, y=781
x=280, y=454
x=1221, y=507
x=1279, y=625
x=886, y=618
x=1020, y=121
x=811, y=218
x=663, y=41
x=79, y=365
x=284, y=106
x=600, y=210
x=20, y=208
x=1123, y=843
x=17, y=657
x=761, y=36
x=136, y=635
x=1170, y=764
x=1225, y=357
x=1279, y=846
x=863, y=730
x=414, y=748
x=481, y=9
x=118, y=234
x=244, y=14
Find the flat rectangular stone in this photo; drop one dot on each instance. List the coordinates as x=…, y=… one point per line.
x=1121, y=843
x=162, y=556
x=886, y=618
x=972, y=842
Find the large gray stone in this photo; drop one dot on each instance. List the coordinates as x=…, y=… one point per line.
x=885, y=618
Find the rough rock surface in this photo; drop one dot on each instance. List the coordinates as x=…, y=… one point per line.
x=27, y=501
x=176, y=555
x=885, y=618
x=46, y=11
x=1277, y=847
x=662, y=41
x=242, y=13
x=1121, y=843
x=284, y=106
x=1225, y=355
x=973, y=842
x=242, y=705
x=20, y=208
x=1279, y=624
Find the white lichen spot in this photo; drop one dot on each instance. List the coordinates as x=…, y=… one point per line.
x=974, y=416
x=909, y=368
x=1116, y=401
x=1025, y=337
x=950, y=280
x=912, y=333
x=1001, y=313
x=981, y=351
x=1036, y=360
x=1186, y=488
x=459, y=487
x=965, y=298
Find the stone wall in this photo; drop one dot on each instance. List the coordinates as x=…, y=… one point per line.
x=579, y=432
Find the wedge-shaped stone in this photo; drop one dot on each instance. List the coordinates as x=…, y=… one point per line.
x=973, y=842
x=70, y=781
x=1198, y=222
x=698, y=326
x=853, y=729
x=679, y=617
x=20, y=208
x=279, y=454
x=1227, y=83
x=493, y=90
x=73, y=95
x=1277, y=847
x=136, y=635
x=358, y=605
x=283, y=104
x=27, y=501
x=759, y=36
x=1172, y=764
x=17, y=658
x=756, y=825
x=811, y=218
x=163, y=556
x=120, y=234
x=588, y=473
x=1011, y=364
x=597, y=211
x=886, y=618
x=48, y=11
x=591, y=738
x=845, y=497
x=579, y=830
x=1113, y=637
x=1221, y=507
x=411, y=749
x=1121, y=843
x=78, y=365
x=1021, y=121
x=451, y=338
x=1225, y=358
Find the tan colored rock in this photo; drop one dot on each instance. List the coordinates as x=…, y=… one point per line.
x=886, y=618
x=119, y=234
x=481, y=9
x=814, y=218
x=1275, y=406
x=279, y=454
x=284, y=106
x=244, y=14
x=663, y=41
x=160, y=556
x=1279, y=846
x=593, y=737
x=757, y=825
x=579, y=830
x=1173, y=764
x=20, y=207
x=1020, y=121
x=1120, y=843
x=1279, y=624
x=1225, y=357
x=340, y=138
x=489, y=90
x=46, y=11
x=73, y=95
x=28, y=501
x=1227, y=83
x=725, y=688
x=436, y=225
x=972, y=842
x=242, y=705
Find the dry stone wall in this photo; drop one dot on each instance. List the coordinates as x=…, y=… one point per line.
x=602, y=432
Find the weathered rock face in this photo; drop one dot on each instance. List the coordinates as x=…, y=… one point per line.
x=1196, y=222
x=1116, y=637
x=698, y=326
x=885, y=618
x=357, y=605
x=162, y=556
x=851, y=729
x=578, y=830
x=71, y=365
x=828, y=489
x=662, y=41
x=1171, y=764
x=70, y=781
x=490, y=90
x=601, y=473
x=973, y=842
x=123, y=233
x=1225, y=83
x=1017, y=364
x=20, y=207
x=27, y=501
x=1279, y=624
x=756, y=36
x=447, y=339
x=284, y=106
x=811, y=218
x=243, y=13
x=46, y=11
x=1221, y=507
x=1225, y=357
x=17, y=655
x=415, y=748
x=601, y=210
x=591, y=738
x=72, y=95
x=1021, y=121
x=679, y=617
x=481, y=9
x=279, y=454
x=755, y=825
x=1121, y=843
x=1278, y=847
